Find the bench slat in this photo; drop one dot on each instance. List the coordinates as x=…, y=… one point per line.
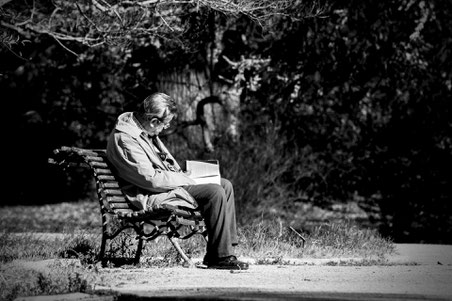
x=86, y=152
x=98, y=164
x=124, y=211
x=95, y=158
x=123, y=205
x=116, y=199
x=113, y=192
x=106, y=178
x=102, y=171
x=110, y=184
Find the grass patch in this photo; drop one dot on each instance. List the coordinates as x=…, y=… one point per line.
x=41, y=246
x=53, y=218
x=342, y=239
x=18, y=280
x=271, y=242
x=263, y=241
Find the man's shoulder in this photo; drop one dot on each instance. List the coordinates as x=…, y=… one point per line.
x=126, y=126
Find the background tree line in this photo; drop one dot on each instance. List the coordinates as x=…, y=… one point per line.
x=350, y=106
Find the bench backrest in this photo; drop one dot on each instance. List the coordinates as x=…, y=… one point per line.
x=108, y=189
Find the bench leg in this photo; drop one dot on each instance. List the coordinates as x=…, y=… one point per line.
x=206, y=236
x=102, y=249
x=139, y=249
x=181, y=252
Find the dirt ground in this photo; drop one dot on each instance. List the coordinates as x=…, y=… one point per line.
x=416, y=272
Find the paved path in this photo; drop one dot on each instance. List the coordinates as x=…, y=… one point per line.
x=416, y=272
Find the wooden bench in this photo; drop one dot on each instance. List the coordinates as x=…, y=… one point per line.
x=117, y=213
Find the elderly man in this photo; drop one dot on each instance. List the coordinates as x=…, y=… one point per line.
x=152, y=176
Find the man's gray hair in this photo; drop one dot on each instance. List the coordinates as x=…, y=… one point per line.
x=158, y=105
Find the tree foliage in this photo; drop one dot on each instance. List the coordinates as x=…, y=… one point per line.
x=367, y=95
x=351, y=106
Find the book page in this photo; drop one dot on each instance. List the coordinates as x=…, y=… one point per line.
x=208, y=180
x=204, y=172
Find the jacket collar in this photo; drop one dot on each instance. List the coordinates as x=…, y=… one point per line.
x=127, y=124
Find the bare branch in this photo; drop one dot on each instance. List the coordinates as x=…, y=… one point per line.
x=16, y=29
x=121, y=21
x=99, y=6
x=3, y=2
x=62, y=45
x=299, y=235
x=53, y=15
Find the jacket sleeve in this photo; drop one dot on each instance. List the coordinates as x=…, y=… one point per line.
x=133, y=165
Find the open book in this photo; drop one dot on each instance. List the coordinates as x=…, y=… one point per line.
x=204, y=171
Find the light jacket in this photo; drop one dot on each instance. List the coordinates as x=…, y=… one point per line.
x=147, y=181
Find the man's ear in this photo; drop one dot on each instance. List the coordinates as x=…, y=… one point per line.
x=154, y=122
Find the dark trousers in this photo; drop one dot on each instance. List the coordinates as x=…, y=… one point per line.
x=217, y=205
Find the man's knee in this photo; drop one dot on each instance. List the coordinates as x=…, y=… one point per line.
x=227, y=185
x=215, y=191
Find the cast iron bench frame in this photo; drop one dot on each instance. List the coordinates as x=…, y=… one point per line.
x=118, y=214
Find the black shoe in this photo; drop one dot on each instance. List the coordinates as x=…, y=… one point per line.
x=228, y=263
x=205, y=261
